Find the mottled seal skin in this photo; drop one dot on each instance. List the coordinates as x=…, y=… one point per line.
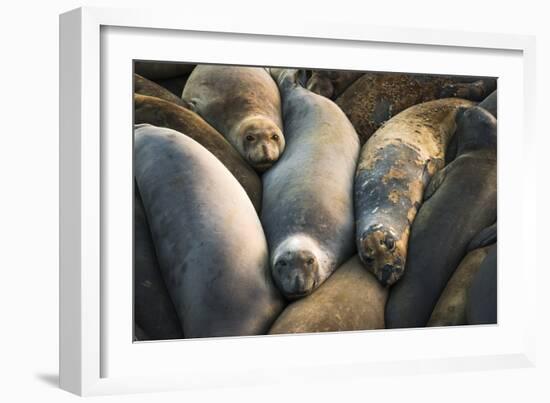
x=375, y=98
x=331, y=83
x=213, y=255
x=351, y=299
x=144, y=86
x=162, y=70
x=394, y=167
x=154, y=311
x=158, y=112
x=481, y=308
x=490, y=103
x=450, y=309
x=244, y=105
x=307, y=209
x=460, y=201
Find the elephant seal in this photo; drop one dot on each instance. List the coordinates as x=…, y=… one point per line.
x=158, y=112
x=490, y=103
x=351, y=299
x=162, y=70
x=307, y=209
x=244, y=105
x=394, y=167
x=210, y=243
x=154, y=311
x=459, y=202
x=331, y=83
x=481, y=308
x=376, y=97
x=144, y=86
x=450, y=309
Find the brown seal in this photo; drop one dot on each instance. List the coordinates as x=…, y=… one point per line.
x=376, y=97
x=165, y=114
x=331, y=83
x=450, y=309
x=351, y=299
x=244, y=105
x=162, y=70
x=394, y=168
x=144, y=86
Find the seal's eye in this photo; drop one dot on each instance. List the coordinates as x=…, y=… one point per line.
x=275, y=137
x=390, y=243
x=250, y=138
x=310, y=261
x=281, y=263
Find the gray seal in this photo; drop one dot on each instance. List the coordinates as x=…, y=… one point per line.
x=213, y=255
x=154, y=311
x=460, y=201
x=307, y=209
x=351, y=299
x=244, y=105
x=395, y=166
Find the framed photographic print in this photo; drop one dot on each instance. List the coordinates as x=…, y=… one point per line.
x=237, y=198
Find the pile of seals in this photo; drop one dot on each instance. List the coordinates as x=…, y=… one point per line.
x=277, y=200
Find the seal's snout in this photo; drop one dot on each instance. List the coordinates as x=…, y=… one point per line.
x=378, y=250
x=296, y=273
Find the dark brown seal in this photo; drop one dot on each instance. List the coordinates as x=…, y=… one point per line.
x=351, y=299
x=331, y=83
x=162, y=70
x=376, y=97
x=144, y=86
x=165, y=114
x=460, y=201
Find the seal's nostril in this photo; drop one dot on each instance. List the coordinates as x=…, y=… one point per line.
x=310, y=261
x=390, y=242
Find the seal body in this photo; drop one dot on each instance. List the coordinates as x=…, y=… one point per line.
x=144, y=86
x=307, y=209
x=209, y=240
x=460, y=201
x=394, y=167
x=450, y=309
x=331, y=83
x=351, y=299
x=481, y=308
x=490, y=103
x=162, y=70
x=376, y=97
x=154, y=311
x=161, y=113
x=244, y=105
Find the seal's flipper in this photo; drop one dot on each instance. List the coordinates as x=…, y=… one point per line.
x=435, y=183
x=485, y=237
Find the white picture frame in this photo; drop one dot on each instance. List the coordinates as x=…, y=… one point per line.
x=97, y=355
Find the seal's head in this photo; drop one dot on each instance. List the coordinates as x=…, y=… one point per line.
x=321, y=84
x=261, y=142
x=297, y=266
x=382, y=253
